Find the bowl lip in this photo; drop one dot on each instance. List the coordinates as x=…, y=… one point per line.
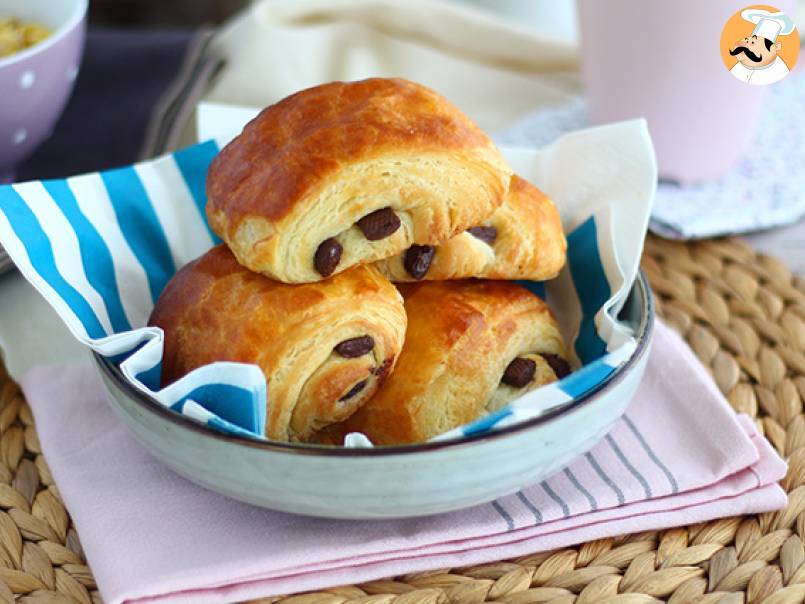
x=77, y=16
x=151, y=405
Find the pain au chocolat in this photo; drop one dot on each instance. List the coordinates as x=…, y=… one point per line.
x=349, y=173
x=324, y=347
x=470, y=348
x=523, y=239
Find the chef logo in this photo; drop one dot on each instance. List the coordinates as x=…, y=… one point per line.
x=759, y=45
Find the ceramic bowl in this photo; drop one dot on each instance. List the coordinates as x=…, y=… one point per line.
x=385, y=482
x=36, y=82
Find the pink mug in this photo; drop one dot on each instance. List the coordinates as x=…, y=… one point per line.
x=660, y=60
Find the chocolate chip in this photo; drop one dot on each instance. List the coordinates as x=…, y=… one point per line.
x=560, y=366
x=379, y=224
x=354, y=390
x=328, y=255
x=383, y=370
x=417, y=260
x=356, y=347
x=519, y=372
x=487, y=234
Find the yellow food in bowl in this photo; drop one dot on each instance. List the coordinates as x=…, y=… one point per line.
x=16, y=35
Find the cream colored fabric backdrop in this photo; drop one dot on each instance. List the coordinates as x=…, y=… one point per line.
x=493, y=68
x=489, y=67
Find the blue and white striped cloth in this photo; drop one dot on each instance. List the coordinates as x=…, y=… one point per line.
x=101, y=247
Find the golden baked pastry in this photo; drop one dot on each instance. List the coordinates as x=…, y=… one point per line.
x=348, y=173
x=523, y=239
x=470, y=348
x=324, y=347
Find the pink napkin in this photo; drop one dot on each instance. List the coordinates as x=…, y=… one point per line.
x=680, y=455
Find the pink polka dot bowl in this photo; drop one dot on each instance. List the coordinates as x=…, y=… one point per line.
x=36, y=82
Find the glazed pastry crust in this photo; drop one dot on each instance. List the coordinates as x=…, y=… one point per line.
x=530, y=244
x=309, y=167
x=215, y=310
x=461, y=337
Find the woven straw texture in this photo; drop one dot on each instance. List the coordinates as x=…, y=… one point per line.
x=744, y=316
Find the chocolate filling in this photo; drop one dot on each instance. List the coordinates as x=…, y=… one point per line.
x=379, y=224
x=519, y=372
x=328, y=255
x=418, y=259
x=487, y=234
x=383, y=370
x=354, y=390
x=560, y=366
x=355, y=347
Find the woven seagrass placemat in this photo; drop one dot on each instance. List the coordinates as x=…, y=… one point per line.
x=744, y=316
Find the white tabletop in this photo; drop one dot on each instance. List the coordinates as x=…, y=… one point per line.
x=30, y=331
x=787, y=244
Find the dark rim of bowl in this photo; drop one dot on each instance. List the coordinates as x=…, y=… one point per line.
x=150, y=404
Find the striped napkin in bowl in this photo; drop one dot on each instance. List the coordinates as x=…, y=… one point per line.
x=101, y=247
